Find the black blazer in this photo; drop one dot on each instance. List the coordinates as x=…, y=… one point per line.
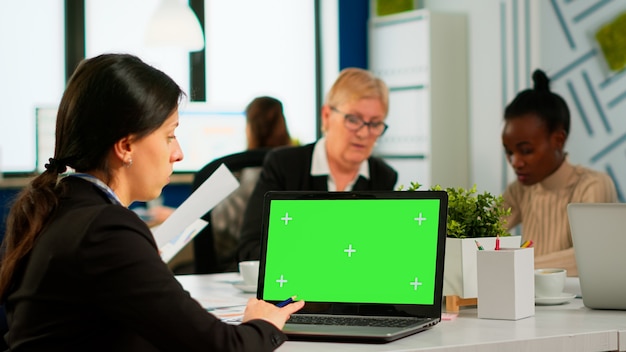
x=289, y=169
x=95, y=282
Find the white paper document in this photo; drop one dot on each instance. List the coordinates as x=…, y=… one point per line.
x=231, y=315
x=184, y=223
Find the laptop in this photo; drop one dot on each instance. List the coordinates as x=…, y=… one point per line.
x=369, y=265
x=599, y=237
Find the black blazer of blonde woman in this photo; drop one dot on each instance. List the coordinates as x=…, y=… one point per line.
x=289, y=169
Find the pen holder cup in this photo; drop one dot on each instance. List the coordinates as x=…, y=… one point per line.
x=506, y=284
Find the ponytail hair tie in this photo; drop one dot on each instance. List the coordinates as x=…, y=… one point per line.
x=56, y=166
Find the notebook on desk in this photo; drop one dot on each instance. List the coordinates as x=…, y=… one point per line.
x=369, y=265
x=599, y=237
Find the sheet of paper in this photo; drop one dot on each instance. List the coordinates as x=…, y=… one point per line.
x=232, y=315
x=169, y=249
x=182, y=225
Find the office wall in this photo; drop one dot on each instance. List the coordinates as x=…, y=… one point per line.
x=573, y=59
x=508, y=39
x=485, y=91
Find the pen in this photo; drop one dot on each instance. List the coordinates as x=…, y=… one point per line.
x=480, y=247
x=286, y=302
x=497, y=243
x=527, y=244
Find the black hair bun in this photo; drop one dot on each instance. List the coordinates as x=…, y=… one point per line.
x=542, y=82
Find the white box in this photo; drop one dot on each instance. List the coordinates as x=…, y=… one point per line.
x=506, y=283
x=460, y=269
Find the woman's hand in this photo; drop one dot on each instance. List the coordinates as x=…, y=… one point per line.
x=258, y=309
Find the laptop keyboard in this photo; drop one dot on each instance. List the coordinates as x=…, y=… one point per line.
x=353, y=321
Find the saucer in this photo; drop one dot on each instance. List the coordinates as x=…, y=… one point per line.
x=245, y=288
x=560, y=299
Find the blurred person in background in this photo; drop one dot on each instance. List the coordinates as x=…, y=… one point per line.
x=353, y=118
x=537, y=124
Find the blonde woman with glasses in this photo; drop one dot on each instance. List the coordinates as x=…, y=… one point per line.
x=353, y=118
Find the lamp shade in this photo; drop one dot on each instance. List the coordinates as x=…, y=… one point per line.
x=174, y=24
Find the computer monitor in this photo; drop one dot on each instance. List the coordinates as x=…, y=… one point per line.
x=204, y=134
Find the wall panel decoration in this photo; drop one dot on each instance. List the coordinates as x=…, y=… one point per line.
x=596, y=94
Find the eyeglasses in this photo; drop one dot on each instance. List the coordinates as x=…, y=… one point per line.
x=355, y=123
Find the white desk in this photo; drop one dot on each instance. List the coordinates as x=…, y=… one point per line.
x=568, y=327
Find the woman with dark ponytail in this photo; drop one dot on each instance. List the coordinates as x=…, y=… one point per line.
x=79, y=270
x=537, y=124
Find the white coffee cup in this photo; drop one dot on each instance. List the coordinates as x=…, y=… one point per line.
x=549, y=282
x=249, y=272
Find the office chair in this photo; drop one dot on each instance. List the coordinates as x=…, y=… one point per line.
x=205, y=259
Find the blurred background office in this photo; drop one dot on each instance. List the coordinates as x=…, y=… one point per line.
x=214, y=249
x=293, y=50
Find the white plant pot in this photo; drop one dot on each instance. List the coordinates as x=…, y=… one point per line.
x=460, y=276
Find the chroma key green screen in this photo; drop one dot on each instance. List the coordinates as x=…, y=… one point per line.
x=352, y=250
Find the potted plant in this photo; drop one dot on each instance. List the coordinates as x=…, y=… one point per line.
x=473, y=218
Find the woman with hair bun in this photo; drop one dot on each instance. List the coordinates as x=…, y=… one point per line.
x=537, y=124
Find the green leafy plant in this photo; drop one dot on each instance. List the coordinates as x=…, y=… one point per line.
x=471, y=214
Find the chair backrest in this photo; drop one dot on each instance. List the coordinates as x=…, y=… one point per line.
x=205, y=258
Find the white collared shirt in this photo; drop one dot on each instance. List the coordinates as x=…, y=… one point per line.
x=319, y=166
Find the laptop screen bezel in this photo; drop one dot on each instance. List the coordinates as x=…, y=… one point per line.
x=365, y=309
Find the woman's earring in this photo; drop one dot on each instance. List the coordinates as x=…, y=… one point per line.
x=128, y=163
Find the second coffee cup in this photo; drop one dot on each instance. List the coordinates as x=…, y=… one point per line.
x=549, y=282
x=249, y=272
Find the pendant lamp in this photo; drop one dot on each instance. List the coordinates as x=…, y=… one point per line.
x=174, y=24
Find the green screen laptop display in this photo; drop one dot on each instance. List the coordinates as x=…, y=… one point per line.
x=352, y=250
